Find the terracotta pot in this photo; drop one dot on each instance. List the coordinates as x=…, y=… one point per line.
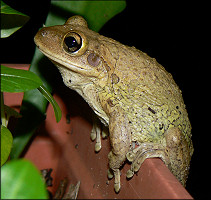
x=66, y=147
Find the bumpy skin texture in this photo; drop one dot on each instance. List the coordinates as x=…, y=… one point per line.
x=129, y=91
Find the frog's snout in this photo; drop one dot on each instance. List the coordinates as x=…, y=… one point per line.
x=40, y=35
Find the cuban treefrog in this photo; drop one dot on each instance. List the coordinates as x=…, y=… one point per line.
x=129, y=91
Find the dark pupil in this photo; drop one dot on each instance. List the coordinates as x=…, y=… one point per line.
x=72, y=44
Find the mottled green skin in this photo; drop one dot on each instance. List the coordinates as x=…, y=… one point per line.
x=148, y=95
x=129, y=91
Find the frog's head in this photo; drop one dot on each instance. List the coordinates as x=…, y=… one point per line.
x=75, y=47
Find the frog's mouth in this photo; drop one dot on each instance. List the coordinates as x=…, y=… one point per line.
x=58, y=61
x=62, y=63
x=89, y=72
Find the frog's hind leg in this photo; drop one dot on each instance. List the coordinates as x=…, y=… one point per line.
x=97, y=130
x=180, y=151
x=146, y=150
x=176, y=153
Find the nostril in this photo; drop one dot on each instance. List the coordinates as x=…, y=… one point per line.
x=44, y=33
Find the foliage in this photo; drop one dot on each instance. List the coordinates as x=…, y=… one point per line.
x=16, y=80
x=11, y=20
x=21, y=180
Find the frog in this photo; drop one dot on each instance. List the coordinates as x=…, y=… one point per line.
x=130, y=92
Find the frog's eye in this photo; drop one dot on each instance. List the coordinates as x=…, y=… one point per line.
x=72, y=42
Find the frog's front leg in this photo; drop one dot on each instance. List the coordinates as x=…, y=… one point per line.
x=95, y=133
x=97, y=130
x=120, y=139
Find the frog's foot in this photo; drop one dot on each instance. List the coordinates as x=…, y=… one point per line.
x=105, y=132
x=117, y=180
x=96, y=132
x=110, y=174
x=114, y=173
x=95, y=135
x=145, y=150
x=115, y=161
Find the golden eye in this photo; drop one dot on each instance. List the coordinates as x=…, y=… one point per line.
x=75, y=43
x=72, y=42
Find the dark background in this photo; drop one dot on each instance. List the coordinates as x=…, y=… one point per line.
x=174, y=34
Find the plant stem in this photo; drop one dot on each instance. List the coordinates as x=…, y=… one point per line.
x=3, y=118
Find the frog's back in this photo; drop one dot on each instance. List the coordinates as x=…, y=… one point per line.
x=149, y=96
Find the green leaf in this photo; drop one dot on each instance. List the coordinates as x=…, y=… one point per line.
x=97, y=13
x=4, y=121
x=33, y=107
x=16, y=80
x=32, y=116
x=21, y=180
x=11, y=20
x=10, y=112
x=5, y=9
x=6, y=144
x=49, y=97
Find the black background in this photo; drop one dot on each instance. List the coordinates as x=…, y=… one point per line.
x=175, y=34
